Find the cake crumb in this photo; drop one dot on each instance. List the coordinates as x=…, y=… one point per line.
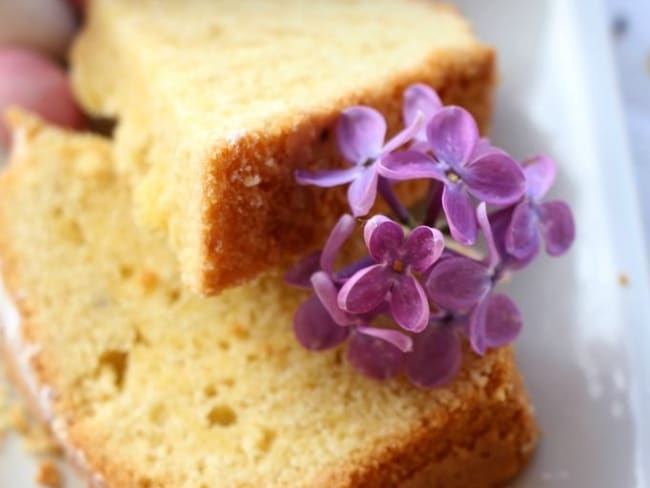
x=48, y=474
x=38, y=441
x=148, y=279
x=500, y=394
x=479, y=379
x=253, y=180
x=240, y=331
x=623, y=280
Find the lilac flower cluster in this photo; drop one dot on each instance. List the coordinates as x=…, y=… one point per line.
x=408, y=303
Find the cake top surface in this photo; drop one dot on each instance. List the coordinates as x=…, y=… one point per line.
x=221, y=69
x=216, y=387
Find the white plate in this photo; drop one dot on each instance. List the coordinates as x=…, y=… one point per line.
x=585, y=351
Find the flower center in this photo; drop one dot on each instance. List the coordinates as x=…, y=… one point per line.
x=368, y=162
x=398, y=266
x=453, y=177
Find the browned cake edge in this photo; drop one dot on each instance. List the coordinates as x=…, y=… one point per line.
x=254, y=215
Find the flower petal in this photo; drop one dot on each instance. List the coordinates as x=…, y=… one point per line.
x=299, y=274
x=327, y=293
x=409, y=165
x=540, y=175
x=420, y=145
x=503, y=321
x=405, y=135
x=522, y=236
x=314, y=327
x=340, y=233
x=557, y=226
x=484, y=223
x=363, y=191
x=484, y=147
x=423, y=247
x=458, y=283
x=420, y=98
x=398, y=339
x=384, y=238
x=409, y=305
x=360, y=134
x=328, y=178
x=495, y=178
x=452, y=134
x=365, y=290
x=436, y=357
x=374, y=357
x=460, y=214
x=477, y=327
x=500, y=223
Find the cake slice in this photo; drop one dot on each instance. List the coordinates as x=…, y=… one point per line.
x=148, y=385
x=218, y=102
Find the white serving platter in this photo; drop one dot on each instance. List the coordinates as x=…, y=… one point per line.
x=585, y=351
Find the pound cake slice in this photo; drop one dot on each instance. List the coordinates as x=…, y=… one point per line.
x=219, y=101
x=148, y=385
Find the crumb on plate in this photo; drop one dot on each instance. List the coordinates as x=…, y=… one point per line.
x=48, y=474
x=623, y=280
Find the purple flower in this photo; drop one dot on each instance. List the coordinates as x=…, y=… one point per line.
x=320, y=324
x=500, y=222
x=300, y=274
x=392, y=278
x=376, y=352
x=420, y=100
x=436, y=355
x=374, y=356
x=530, y=217
x=315, y=329
x=465, y=164
x=379, y=305
x=360, y=134
x=464, y=285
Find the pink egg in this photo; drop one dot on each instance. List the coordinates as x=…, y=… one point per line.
x=30, y=80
